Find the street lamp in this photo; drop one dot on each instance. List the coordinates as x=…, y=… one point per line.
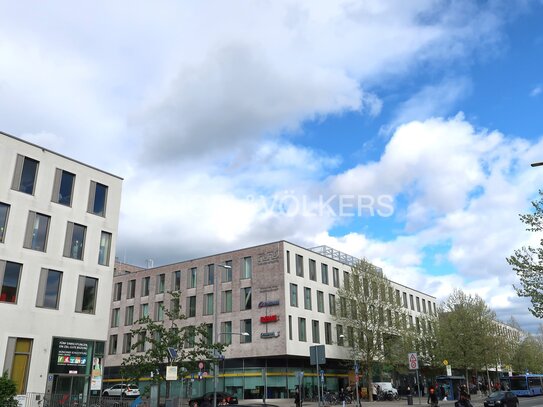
x=536, y=164
x=355, y=366
x=216, y=368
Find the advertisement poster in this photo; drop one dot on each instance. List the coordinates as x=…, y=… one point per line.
x=96, y=374
x=69, y=356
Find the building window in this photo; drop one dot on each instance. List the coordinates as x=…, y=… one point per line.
x=105, y=249
x=398, y=300
x=26, y=170
x=293, y=295
x=324, y=273
x=174, y=305
x=209, y=274
x=346, y=280
x=86, y=295
x=209, y=333
x=176, y=280
x=288, y=263
x=144, y=310
x=335, y=277
x=97, y=199
x=332, y=303
x=227, y=301
x=299, y=266
x=18, y=355
x=208, y=304
x=320, y=301
x=247, y=267
x=412, y=302
x=37, y=229
x=315, y=331
x=424, y=305
x=160, y=284
x=117, y=291
x=227, y=272
x=115, y=317
x=312, y=270
x=191, y=306
x=112, y=345
x=290, y=327
x=350, y=336
x=63, y=187
x=418, y=304
x=192, y=274
x=246, y=302
x=307, y=298
x=246, y=327
x=4, y=212
x=225, y=335
x=127, y=342
x=131, y=289
x=145, y=286
x=302, y=334
x=340, y=337
x=129, y=315
x=49, y=288
x=159, y=311
x=74, y=244
x=10, y=276
x=328, y=333
x=141, y=341
x=405, y=300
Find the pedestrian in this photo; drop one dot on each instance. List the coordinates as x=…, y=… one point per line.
x=463, y=401
x=297, y=397
x=432, y=397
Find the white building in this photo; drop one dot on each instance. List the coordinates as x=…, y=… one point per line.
x=58, y=227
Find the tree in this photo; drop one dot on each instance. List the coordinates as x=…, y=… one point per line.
x=153, y=339
x=528, y=356
x=8, y=391
x=374, y=318
x=527, y=262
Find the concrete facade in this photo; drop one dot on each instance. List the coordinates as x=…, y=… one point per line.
x=52, y=284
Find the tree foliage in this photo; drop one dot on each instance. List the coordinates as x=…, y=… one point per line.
x=8, y=390
x=527, y=261
x=529, y=355
x=151, y=340
x=373, y=318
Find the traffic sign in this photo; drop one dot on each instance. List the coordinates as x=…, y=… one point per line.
x=413, y=361
x=445, y=362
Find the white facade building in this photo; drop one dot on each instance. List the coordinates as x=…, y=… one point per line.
x=58, y=228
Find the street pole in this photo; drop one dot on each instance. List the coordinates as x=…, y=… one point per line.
x=356, y=376
x=216, y=332
x=418, y=385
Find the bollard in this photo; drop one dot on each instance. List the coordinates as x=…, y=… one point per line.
x=409, y=399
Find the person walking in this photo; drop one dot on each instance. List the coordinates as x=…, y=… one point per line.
x=433, y=400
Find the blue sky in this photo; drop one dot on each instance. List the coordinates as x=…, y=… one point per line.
x=397, y=131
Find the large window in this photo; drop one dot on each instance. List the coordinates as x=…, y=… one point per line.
x=145, y=286
x=293, y=295
x=328, y=333
x=97, y=199
x=191, y=277
x=302, y=333
x=246, y=267
x=115, y=317
x=86, y=295
x=159, y=311
x=112, y=344
x=10, y=276
x=74, y=245
x=227, y=301
x=324, y=273
x=37, y=229
x=246, y=327
x=144, y=310
x=129, y=315
x=127, y=342
x=320, y=301
x=117, y=291
x=63, y=187
x=160, y=283
x=290, y=327
x=105, y=249
x=225, y=335
x=18, y=355
x=340, y=338
x=176, y=280
x=227, y=272
x=312, y=270
x=307, y=298
x=335, y=277
x=24, y=179
x=315, y=331
x=332, y=303
x=49, y=288
x=246, y=295
x=208, y=304
x=4, y=212
x=209, y=274
x=288, y=263
x=191, y=306
x=131, y=289
x=299, y=266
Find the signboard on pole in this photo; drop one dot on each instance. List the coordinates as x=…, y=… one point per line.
x=171, y=372
x=316, y=355
x=413, y=361
x=449, y=370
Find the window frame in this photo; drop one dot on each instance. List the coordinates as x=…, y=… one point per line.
x=4, y=217
x=17, y=181
x=3, y=295
x=104, y=249
x=92, y=202
x=44, y=287
x=82, y=293
x=59, y=186
x=41, y=230
x=69, y=245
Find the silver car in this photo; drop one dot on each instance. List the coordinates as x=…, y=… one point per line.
x=124, y=390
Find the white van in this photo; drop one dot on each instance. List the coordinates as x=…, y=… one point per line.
x=386, y=387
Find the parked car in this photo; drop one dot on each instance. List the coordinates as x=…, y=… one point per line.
x=124, y=390
x=221, y=395
x=386, y=387
x=501, y=399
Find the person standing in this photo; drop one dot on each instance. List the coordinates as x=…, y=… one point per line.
x=433, y=400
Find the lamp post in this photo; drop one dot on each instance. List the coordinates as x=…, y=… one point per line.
x=536, y=164
x=355, y=366
x=216, y=368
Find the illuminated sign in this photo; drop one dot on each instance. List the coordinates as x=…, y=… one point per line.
x=269, y=318
x=263, y=304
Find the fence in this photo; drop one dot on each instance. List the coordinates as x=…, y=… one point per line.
x=64, y=400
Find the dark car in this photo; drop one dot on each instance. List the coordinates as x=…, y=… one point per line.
x=221, y=397
x=501, y=399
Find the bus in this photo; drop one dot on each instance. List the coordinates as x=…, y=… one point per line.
x=524, y=384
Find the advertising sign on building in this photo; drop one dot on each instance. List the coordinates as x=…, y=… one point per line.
x=96, y=374
x=70, y=356
x=269, y=318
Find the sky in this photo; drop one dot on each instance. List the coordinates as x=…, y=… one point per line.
x=400, y=132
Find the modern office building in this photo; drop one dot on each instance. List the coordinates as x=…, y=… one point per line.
x=58, y=228
x=281, y=294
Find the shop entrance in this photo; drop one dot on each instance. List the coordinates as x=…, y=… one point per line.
x=67, y=389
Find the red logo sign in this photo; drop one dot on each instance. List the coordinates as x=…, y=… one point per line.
x=269, y=318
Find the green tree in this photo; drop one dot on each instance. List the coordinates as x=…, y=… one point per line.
x=373, y=317
x=152, y=340
x=8, y=390
x=528, y=356
x=527, y=261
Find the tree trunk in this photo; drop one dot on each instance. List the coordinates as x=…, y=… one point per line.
x=370, y=382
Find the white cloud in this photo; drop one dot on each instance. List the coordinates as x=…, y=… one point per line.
x=536, y=90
